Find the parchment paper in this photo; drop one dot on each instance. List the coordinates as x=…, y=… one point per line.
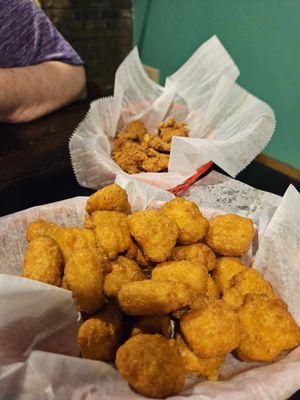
x=228, y=125
x=37, y=321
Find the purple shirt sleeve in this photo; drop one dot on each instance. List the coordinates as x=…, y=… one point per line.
x=28, y=37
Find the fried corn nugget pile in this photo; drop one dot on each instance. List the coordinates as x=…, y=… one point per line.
x=163, y=293
x=151, y=365
x=136, y=150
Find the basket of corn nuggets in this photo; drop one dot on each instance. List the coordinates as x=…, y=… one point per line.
x=168, y=301
x=168, y=136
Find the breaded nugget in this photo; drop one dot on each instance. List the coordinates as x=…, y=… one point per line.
x=267, y=328
x=198, y=251
x=211, y=330
x=135, y=253
x=99, y=336
x=43, y=261
x=84, y=275
x=151, y=365
x=155, y=161
x=112, y=232
x=157, y=143
x=190, y=272
x=136, y=151
x=226, y=268
x=150, y=298
x=70, y=239
x=66, y=238
x=233, y=297
x=123, y=271
x=230, y=234
x=110, y=198
x=64, y=283
x=133, y=132
x=170, y=128
x=129, y=156
x=155, y=232
x=136, y=128
x=40, y=227
x=88, y=223
x=132, y=251
x=192, y=225
x=247, y=281
x=152, y=324
x=194, y=365
x=212, y=293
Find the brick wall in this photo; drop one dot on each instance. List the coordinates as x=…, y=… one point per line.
x=99, y=30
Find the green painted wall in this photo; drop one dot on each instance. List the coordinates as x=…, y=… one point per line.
x=263, y=37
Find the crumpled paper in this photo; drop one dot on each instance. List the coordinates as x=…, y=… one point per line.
x=30, y=366
x=228, y=125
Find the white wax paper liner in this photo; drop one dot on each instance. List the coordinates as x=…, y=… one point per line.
x=227, y=125
x=46, y=375
x=34, y=315
x=279, y=247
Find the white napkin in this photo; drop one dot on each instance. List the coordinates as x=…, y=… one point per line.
x=228, y=125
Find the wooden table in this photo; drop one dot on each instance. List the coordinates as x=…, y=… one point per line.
x=35, y=164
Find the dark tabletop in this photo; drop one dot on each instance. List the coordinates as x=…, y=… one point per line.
x=35, y=164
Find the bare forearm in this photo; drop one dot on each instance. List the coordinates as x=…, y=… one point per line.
x=31, y=92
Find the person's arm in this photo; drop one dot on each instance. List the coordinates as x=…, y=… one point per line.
x=27, y=93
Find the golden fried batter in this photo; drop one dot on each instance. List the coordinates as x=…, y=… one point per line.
x=230, y=234
x=136, y=254
x=212, y=293
x=99, y=337
x=211, y=330
x=110, y=198
x=152, y=324
x=136, y=128
x=129, y=156
x=141, y=260
x=88, y=223
x=43, y=261
x=152, y=297
x=84, y=275
x=133, y=132
x=129, y=150
x=226, y=268
x=123, y=271
x=40, y=227
x=247, y=281
x=267, y=328
x=194, y=365
x=136, y=150
x=64, y=283
x=112, y=233
x=67, y=238
x=199, y=251
x=155, y=232
x=132, y=251
x=156, y=143
x=171, y=128
x=151, y=365
x=190, y=272
x=192, y=225
x=155, y=161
